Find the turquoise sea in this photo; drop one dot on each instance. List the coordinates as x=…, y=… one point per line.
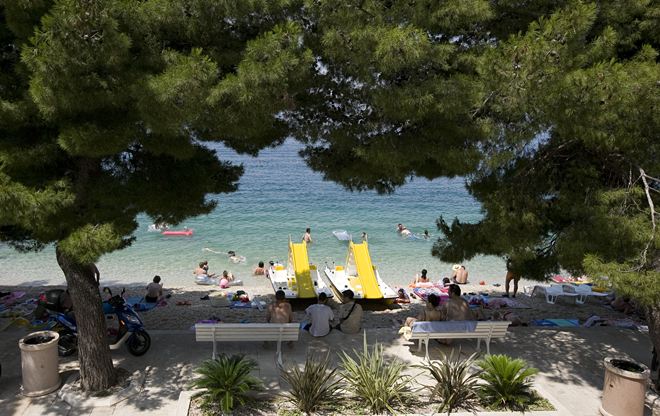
x=278, y=197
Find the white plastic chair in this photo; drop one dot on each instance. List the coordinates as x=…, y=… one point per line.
x=551, y=292
x=582, y=292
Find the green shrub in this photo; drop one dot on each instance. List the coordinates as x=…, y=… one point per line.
x=378, y=382
x=226, y=380
x=313, y=387
x=507, y=382
x=456, y=386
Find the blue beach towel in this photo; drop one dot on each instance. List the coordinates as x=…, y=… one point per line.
x=556, y=322
x=138, y=303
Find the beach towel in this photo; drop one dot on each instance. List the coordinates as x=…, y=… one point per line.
x=138, y=303
x=444, y=326
x=556, y=322
x=237, y=304
x=10, y=299
x=423, y=293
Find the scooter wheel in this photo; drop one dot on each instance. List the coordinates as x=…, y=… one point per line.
x=138, y=343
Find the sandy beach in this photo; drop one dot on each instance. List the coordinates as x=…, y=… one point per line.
x=177, y=314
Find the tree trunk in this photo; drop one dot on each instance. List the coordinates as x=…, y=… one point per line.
x=96, y=369
x=653, y=317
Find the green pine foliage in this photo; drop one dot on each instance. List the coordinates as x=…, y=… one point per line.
x=226, y=381
x=314, y=387
x=373, y=379
x=507, y=382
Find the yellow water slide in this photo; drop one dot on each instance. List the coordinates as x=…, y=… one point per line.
x=303, y=277
x=365, y=271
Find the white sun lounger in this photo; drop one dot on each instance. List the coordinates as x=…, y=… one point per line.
x=551, y=293
x=583, y=292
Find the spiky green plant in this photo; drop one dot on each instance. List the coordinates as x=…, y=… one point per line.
x=377, y=381
x=313, y=387
x=507, y=382
x=456, y=385
x=226, y=380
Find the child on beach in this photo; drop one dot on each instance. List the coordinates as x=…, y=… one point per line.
x=226, y=278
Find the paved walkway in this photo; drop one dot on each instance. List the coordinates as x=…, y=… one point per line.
x=569, y=360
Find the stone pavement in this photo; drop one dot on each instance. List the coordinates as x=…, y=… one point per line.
x=569, y=360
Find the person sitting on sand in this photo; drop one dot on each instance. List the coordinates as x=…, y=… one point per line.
x=460, y=275
x=226, y=278
x=319, y=315
x=430, y=311
x=307, y=237
x=279, y=312
x=401, y=229
x=402, y=297
x=154, y=291
x=260, y=269
x=203, y=270
x=423, y=278
x=350, y=313
x=456, y=308
x=446, y=282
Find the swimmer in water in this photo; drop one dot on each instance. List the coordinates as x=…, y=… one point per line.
x=234, y=258
x=426, y=235
x=401, y=229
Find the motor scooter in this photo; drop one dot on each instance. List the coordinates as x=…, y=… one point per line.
x=130, y=330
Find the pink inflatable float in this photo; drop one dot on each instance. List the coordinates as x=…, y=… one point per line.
x=179, y=232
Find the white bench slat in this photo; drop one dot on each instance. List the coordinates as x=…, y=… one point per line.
x=485, y=330
x=221, y=332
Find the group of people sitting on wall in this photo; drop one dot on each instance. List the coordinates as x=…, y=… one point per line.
x=320, y=317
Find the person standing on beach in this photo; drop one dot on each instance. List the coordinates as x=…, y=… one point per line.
x=510, y=275
x=279, y=312
x=307, y=237
x=320, y=316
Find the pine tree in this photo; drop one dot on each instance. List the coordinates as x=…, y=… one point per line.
x=105, y=107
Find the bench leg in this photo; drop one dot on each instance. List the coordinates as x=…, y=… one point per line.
x=487, y=341
x=419, y=345
x=427, y=350
x=279, y=352
x=479, y=344
x=214, y=349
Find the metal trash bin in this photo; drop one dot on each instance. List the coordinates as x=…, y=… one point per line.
x=624, y=391
x=39, y=363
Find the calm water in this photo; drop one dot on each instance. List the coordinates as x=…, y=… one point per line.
x=280, y=196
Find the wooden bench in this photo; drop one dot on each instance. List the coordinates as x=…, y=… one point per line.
x=424, y=331
x=247, y=332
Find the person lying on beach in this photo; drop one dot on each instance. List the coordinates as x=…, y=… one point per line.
x=623, y=304
x=279, y=312
x=319, y=317
x=402, y=297
x=350, y=314
x=401, y=229
x=260, y=269
x=154, y=291
x=430, y=311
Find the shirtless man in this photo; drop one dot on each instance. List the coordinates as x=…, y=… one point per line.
x=401, y=229
x=460, y=274
x=456, y=308
x=203, y=269
x=279, y=312
x=510, y=275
